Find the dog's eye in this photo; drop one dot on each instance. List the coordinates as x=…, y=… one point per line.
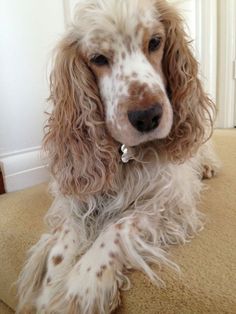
x=154, y=44
x=99, y=60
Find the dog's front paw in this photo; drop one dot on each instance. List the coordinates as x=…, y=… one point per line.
x=93, y=290
x=92, y=286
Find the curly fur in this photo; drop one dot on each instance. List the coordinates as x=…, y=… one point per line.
x=76, y=134
x=107, y=216
x=194, y=111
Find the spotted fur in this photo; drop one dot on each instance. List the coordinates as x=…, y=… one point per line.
x=109, y=216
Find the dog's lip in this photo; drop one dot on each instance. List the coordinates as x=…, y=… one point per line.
x=150, y=137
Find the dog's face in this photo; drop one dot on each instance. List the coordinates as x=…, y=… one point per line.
x=108, y=86
x=124, y=49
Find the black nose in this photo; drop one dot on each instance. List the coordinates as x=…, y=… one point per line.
x=146, y=120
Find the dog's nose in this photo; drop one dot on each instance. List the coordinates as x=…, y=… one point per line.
x=146, y=120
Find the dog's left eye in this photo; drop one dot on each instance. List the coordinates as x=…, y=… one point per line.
x=100, y=60
x=154, y=44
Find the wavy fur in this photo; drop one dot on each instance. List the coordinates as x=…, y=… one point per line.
x=109, y=217
x=76, y=134
x=194, y=111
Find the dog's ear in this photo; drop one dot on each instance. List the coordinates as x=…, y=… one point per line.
x=83, y=157
x=193, y=110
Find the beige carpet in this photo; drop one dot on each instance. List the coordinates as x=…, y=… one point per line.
x=208, y=263
x=4, y=309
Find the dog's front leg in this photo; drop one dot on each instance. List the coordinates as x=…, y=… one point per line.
x=92, y=286
x=48, y=263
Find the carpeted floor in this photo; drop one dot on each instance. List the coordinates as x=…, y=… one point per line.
x=208, y=264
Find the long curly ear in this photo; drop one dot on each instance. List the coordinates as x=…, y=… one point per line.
x=193, y=110
x=83, y=157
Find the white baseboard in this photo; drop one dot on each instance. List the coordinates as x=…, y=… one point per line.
x=24, y=169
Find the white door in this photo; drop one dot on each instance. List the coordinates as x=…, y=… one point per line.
x=29, y=30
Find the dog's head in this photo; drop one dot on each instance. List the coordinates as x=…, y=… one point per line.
x=123, y=44
x=124, y=74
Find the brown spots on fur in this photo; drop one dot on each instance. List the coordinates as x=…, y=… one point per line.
x=116, y=241
x=101, y=271
x=67, y=231
x=123, y=55
x=103, y=267
x=141, y=96
x=49, y=280
x=112, y=255
x=134, y=74
x=99, y=274
x=87, y=291
x=119, y=225
x=88, y=269
x=57, y=259
x=111, y=263
x=102, y=245
x=136, y=89
x=66, y=247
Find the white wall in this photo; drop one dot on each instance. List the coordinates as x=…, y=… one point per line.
x=212, y=23
x=28, y=32
x=188, y=10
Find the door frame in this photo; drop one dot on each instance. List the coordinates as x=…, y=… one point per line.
x=215, y=50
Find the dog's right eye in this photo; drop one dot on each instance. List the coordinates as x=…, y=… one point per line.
x=99, y=60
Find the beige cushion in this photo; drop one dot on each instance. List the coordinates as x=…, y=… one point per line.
x=208, y=263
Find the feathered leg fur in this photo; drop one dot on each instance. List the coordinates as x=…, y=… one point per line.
x=67, y=273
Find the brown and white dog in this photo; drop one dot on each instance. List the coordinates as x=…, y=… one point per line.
x=123, y=74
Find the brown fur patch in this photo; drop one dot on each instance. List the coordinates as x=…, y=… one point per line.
x=57, y=259
x=112, y=255
x=119, y=225
x=103, y=267
x=117, y=241
x=99, y=274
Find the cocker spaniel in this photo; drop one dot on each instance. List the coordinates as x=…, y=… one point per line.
x=127, y=146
